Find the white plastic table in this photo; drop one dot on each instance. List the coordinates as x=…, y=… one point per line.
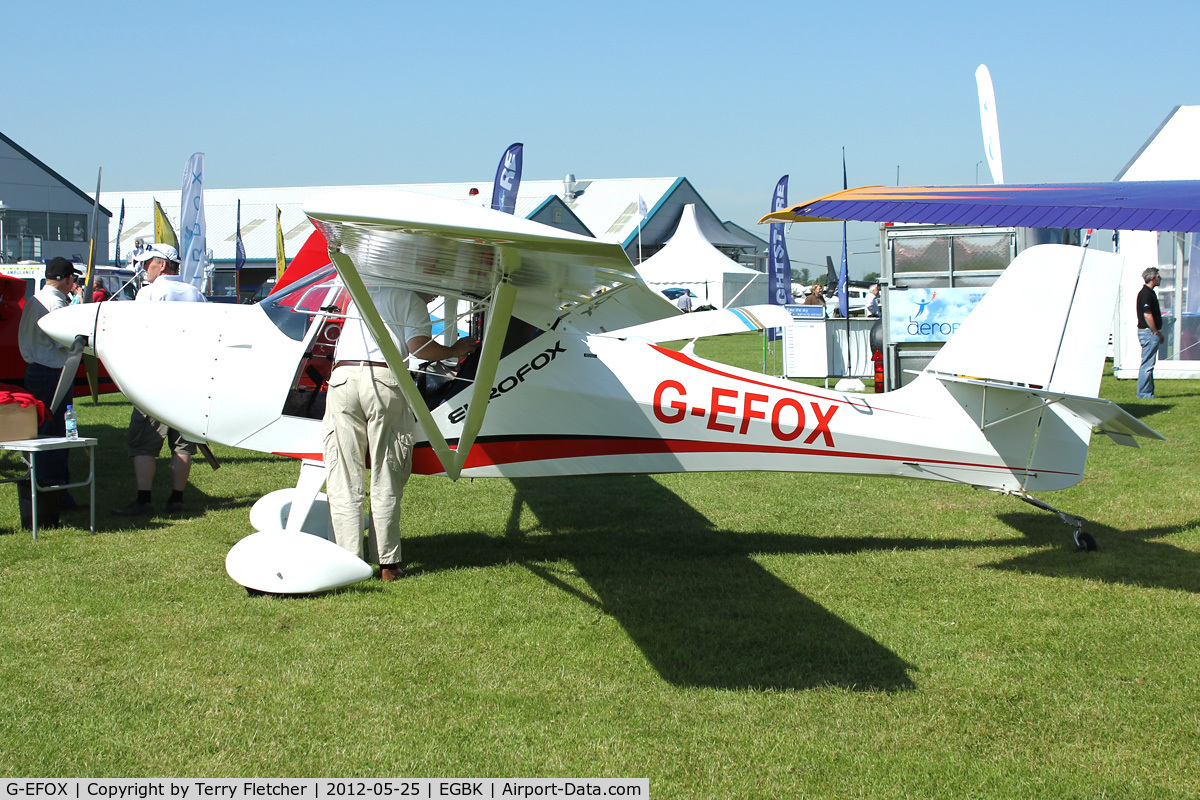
x=27, y=447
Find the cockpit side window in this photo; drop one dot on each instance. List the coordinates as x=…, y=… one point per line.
x=306, y=397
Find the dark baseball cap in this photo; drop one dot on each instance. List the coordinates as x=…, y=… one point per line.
x=59, y=268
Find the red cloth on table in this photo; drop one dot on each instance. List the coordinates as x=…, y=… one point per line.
x=15, y=394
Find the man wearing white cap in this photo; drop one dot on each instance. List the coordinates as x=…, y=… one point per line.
x=146, y=434
x=161, y=262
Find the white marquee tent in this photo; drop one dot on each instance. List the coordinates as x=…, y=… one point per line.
x=689, y=261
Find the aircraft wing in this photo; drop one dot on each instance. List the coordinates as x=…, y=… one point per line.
x=708, y=323
x=513, y=266
x=1122, y=205
x=451, y=248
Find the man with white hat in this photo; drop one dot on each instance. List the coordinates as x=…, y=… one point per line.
x=146, y=434
x=161, y=262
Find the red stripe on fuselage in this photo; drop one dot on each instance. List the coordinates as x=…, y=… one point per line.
x=518, y=451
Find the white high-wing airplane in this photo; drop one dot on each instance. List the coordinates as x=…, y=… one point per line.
x=569, y=381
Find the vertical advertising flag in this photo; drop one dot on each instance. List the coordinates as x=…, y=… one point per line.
x=191, y=223
x=779, y=267
x=120, y=225
x=843, y=286
x=1191, y=296
x=163, y=232
x=508, y=180
x=93, y=232
x=280, y=258
x=239, y=249
x=990, y=123
x=239, y=256
x=643, y=212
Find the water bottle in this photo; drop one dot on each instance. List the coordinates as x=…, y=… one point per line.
x=72, y=423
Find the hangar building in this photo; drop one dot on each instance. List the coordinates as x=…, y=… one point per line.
x=42, y=214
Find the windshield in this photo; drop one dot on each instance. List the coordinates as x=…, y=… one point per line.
x=293, y=307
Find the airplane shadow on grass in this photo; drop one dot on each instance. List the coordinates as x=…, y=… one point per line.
x=690, y=596
x=1131, y=558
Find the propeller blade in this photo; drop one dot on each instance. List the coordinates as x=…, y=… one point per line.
x=66, y=379
x=208, y=456
x=91, y=366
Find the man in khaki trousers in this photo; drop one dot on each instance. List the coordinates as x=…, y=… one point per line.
x=366, y=416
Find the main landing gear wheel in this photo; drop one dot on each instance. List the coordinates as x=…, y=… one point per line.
x=1085, y=542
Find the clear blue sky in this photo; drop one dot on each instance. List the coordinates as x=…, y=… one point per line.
x=729, y=95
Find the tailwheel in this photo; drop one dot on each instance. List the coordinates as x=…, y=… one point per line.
x=1084, y=542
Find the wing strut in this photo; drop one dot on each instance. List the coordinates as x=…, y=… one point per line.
x=489, y=358
x=391, y=354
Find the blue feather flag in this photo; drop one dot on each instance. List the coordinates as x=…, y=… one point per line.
x=508, y=180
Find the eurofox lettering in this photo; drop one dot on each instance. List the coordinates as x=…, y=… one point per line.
x=731, y=410
x=510, y=382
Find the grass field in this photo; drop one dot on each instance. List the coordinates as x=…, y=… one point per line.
x=726, y=635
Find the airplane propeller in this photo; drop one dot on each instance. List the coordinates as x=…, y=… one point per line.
x=91, y=366
x=66, y=379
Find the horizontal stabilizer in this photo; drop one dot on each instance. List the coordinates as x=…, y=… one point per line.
x=1104, y=416
x=708, y=323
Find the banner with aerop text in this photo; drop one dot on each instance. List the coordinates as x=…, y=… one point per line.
x=929, y=315
x=194, y=244
x=508, y=180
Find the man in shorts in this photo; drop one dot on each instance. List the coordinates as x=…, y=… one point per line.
x=146, y=434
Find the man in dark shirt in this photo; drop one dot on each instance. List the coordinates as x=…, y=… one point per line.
x=1149, y=319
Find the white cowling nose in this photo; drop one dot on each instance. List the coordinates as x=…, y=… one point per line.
x=65, y=324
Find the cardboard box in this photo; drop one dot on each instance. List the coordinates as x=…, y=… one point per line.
x=17, y=423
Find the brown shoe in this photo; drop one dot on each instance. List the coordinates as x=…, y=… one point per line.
x=393, y=572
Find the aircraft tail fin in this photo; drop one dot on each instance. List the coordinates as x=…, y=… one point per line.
x=1026, y=363
x=1044, y=324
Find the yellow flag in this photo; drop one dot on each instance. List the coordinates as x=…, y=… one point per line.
x=163, y=232
x=280, y=258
